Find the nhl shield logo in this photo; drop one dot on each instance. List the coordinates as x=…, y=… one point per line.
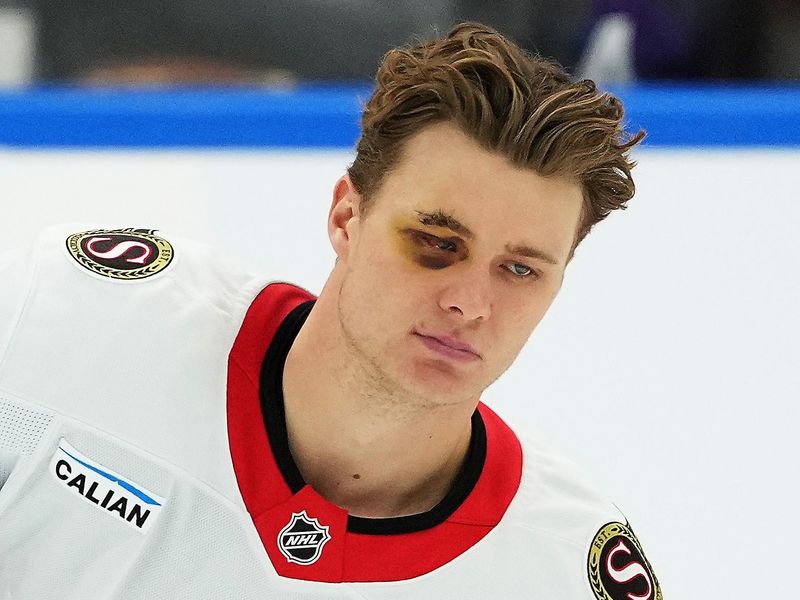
x=303, y=538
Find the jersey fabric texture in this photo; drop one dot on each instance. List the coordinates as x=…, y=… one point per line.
x=144, y=454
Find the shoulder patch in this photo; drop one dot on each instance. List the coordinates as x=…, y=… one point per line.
x=124, y=254
x=617, y=567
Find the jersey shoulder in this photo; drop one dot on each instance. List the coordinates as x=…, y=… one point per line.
x=124, y=262
x=80, y=282
x=560, y=508
x=128, y=331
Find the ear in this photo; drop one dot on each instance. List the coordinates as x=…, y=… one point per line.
x=344, y=216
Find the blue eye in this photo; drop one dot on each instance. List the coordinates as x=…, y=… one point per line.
x=519, y=270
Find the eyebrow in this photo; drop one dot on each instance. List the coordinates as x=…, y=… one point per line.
x=531, y=252
x=439, y=218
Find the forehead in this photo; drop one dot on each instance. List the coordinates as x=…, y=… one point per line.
x=442, y=169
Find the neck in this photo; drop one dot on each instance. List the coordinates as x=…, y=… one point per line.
x=363, y=443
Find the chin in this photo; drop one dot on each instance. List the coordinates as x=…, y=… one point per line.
x=440, y=382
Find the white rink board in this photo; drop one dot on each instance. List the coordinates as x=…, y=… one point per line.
x=670, y=363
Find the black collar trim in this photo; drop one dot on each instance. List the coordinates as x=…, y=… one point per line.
x=272, y=409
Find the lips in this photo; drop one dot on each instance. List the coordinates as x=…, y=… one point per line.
x=449, y=346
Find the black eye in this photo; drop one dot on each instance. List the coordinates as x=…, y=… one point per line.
x=445, y=245
x=433, y=242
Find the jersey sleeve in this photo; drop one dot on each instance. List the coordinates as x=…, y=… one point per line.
x=14, y=285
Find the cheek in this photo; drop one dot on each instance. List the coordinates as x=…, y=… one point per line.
x=381, y=283
x=522, y=314
x=376, y=262
x=411, y=258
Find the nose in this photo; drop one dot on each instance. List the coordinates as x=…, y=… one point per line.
x=468, y=294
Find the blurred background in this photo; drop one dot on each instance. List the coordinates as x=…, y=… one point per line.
x=269, y=41
x=669, y=365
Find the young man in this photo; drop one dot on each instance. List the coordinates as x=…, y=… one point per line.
x=171, y=428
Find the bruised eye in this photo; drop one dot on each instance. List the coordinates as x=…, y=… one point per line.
x=446, y=245
x=434, y=242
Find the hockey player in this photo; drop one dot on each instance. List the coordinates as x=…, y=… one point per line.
x=173, y=428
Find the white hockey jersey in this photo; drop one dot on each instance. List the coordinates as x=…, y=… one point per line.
x=144, y=454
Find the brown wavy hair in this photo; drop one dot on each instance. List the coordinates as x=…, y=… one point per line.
x=524, y=107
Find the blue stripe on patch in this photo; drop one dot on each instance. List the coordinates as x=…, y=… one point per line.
x=121, y=482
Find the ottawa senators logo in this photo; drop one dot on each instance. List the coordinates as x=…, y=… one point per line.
x=302, y=539
x=618, y=569
x=125, y=254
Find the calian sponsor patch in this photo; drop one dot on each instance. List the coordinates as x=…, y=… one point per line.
x=106, y=490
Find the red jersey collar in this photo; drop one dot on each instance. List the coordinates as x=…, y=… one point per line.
x=307, y=537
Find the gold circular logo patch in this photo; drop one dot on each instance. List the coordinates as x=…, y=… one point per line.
x=125, y=254
x=617, y=567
